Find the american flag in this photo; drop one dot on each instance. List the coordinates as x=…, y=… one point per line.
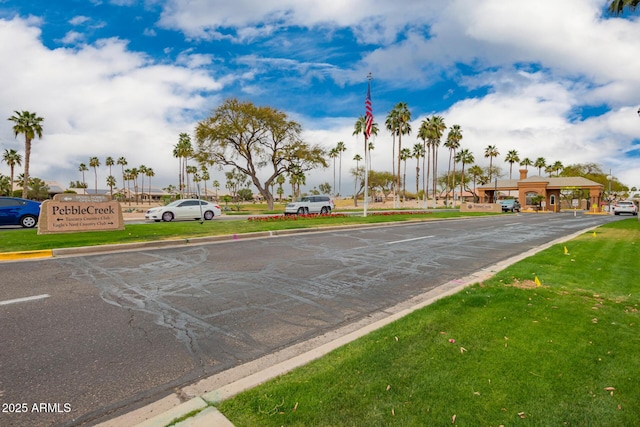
x=368, y=113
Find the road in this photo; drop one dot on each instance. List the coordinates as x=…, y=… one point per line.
x=106, y=333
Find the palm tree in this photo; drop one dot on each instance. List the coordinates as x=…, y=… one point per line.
x=617, y=7
x=12, y=158
x=30, y=125
x=204, y=173
x=357, y=158
x=122, y=162
x=182, y=150
x=190, y=170
x=150, y=174
x=491, y=151
x=128, y=177
x=83, y=168
x=418, y=152
x=403, y=122
x=111, y=182
x=391, y=123
x=465, y=157
x=511, y=158
x=540, y=163
x=526, y=162
x=423, y=134
x=142, y=170
x=216, y=185
x=435, y=128
x=109, y=162
x=341, y=149
x=453, y=143
x=333, y=154
x=405, y=154
x=94, y=162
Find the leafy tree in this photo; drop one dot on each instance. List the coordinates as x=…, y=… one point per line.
x=465, y=157
x=12, y=158
x=6, y=186
x=476, y=172
x=30, y=125
x=325, y=188
x=249, y=138
x=245, y=194
x=37, y=189
x=77, y=184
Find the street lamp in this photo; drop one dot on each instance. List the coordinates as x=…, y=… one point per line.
x=609, y=178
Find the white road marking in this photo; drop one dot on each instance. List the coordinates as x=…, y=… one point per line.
x=25, y=299
x=409, y=240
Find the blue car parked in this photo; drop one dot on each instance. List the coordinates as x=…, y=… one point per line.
x=16, y=211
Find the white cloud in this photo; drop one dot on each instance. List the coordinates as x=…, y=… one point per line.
x=98, y=100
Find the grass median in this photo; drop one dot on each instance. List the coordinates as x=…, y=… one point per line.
x=552, y=340
x=29, y=240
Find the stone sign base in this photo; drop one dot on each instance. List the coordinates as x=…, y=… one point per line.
x=70, y=213
x=481, y=207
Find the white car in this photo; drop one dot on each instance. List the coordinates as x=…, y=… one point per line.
x=310, y=205
x=195, y=209
x=625, y=206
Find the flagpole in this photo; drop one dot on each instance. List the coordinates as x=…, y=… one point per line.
x=368, y=125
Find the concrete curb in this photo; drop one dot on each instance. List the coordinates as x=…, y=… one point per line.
x=14, y=256
x=212, y=417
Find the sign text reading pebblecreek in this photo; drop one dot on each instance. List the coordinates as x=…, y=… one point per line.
x=72, y=213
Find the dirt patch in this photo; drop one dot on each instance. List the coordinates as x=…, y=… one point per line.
x=525, y=284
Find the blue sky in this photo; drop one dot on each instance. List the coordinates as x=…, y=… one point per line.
x=559, y=80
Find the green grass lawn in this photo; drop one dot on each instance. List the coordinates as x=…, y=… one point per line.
x=503, y=352
x=28, y=239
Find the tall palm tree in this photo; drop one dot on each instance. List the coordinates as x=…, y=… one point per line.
x=128, y=177
x=465, y=157
x=30, y=125
x=357, y=158
x=122, y=162
x=94, y=162
x=391, y=124
x=540, y=163
x=435, y=130
x=491, y=151
x=511, y=158
x=150, y=174
x=109, y=162
x=83, y=168
x=418, y=152
x=453, y=143
x=423, y=134
x=333, y=154
x=204, y=174
x=182, y=151
x=557, y=167
x=142, y=170
x=617, y=7
x=111, y=182
x=12, y=158
x=216, y=185
x=190, y=170
x=341, y=149
x=403, y=127
x=526, y=162
x=405, y=154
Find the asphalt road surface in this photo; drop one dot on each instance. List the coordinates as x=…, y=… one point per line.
x=102, y=334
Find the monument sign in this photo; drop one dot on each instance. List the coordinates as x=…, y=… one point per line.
x=68, y=213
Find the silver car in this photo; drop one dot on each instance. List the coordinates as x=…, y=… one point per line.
x=184, y=209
